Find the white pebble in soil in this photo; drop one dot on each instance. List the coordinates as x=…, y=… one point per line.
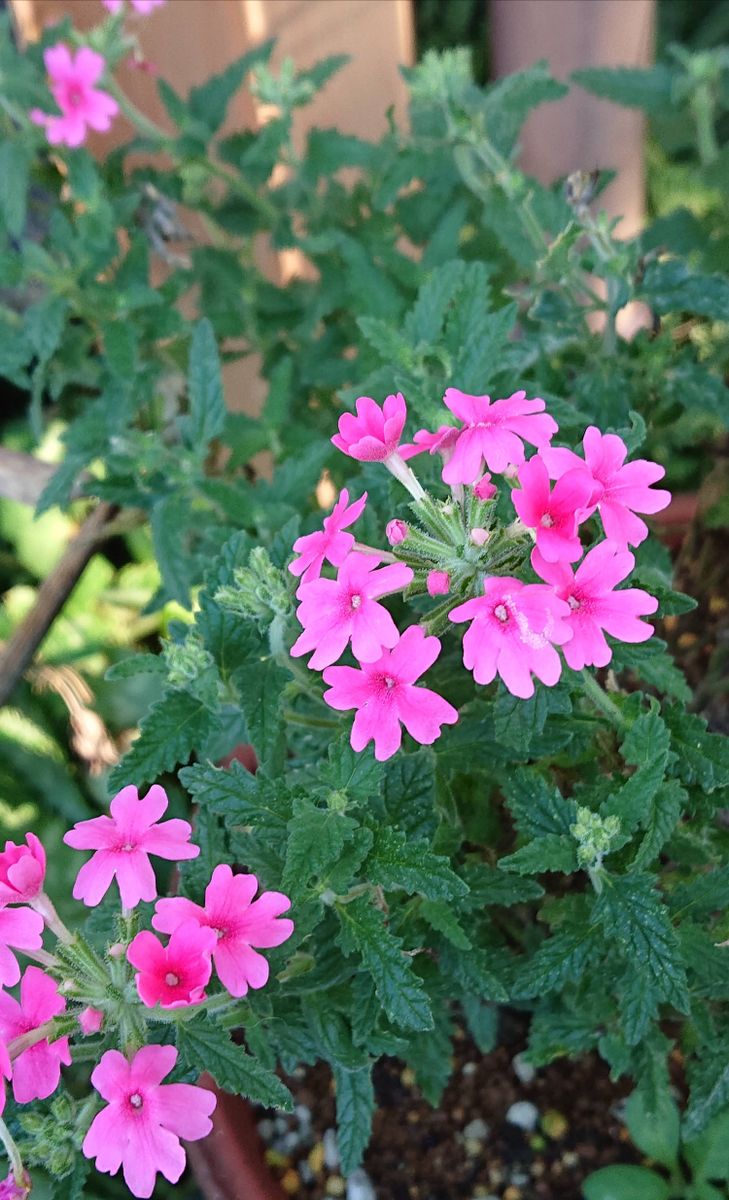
x=331, y=1150
x=523, y=1070
x=360, y=1186
x=524, y=1115
x=476, y=1130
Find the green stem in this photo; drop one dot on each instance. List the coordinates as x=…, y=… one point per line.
x=137, y=118
x=16, y=1163
x=702, y=108
x=601, y=700
x=295, y=718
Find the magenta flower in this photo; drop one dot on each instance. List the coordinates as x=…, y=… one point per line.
x=239, y=925
x=6, y=1072
x=622, y=489
x=594, y=604
x=330, y=543
x=438, y=583
x=333, y=611
x=141, y=1126
x=90, y=1020
x=10, y=1189
x=123, y=843
x=484, y=489
x=374, y=433
x=72, y=80
x=21, y=928
x=22, y=871
x=493, y=433
x=514, y=628
x=176, y=974
x=396, y=531
x=143, y=7
x=384, y=695
x=554, y=515
x=37, y=1070
x=442, y=442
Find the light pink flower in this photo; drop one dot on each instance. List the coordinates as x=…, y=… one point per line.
x=554, y=515
x=239, y=925
x=438, y=583
x=176, y=974
x=37, y=1070
x=21, y=928
x=90, y=1020
x=72, y=80
x=493, y=433
x=141, y=1126
x=333, y=611
x=594, y=604
x=396, y=531
x=22, y=871
x=514, y=628
x=330, y=543
x=484, y=489
x=479, y=536
x=623, y=489
x=384, y=695
x=374, y=433
x=123, y=843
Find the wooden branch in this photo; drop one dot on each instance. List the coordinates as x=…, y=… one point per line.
x=52, y=595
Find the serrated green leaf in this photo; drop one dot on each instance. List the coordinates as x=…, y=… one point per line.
x=205, y=389
x=14, y=166
x=440, y=916
x=473, y=970
x=259, y=685
x=483, y=1022
x=703, y=758
x=709, y=1089
x=137, y=664
x=120, y=348
x=357, y=775
x=174, y=727
x=431, y=1056
x=355, y=1109
x=316, y=839
x=489, y=885
x=655, y=1131
x=647, y=747
x=409, y=792
x=649, y=88
x=561, y=959
x=245, y=800
x=426, y=319
x=397, y=861
x=202, y=1043
x=552, y=852
x=209, y=102
x=665, y=813
x=538, y=807
x=399, y=989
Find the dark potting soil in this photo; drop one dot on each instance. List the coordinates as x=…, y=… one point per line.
x=467, y=1147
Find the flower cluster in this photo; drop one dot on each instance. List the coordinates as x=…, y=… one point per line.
x=531, y=588
x=77, y=993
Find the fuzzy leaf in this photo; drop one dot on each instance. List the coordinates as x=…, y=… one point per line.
x=399, y=989
x=14, y=164
x=634, y=87
x=355, y=1108
x=399, y=862
x=202, y=1043
x=174, y=727
x=209, y=102
x=703, y=758
x=537, y=806
x=316, y=838
x=552, y=852
x=205, y=389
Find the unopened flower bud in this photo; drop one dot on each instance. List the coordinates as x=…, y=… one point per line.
x=438, y=583
x=479, y=537
x=118, y=950
x=90, y=1020
x=396, y=532
x=511, y=472
x=484, y=489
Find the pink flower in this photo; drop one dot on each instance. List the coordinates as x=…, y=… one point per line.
x=373, y=435
x=594, y=604
x=479, y=536
x=141, y=1126
x=622, y=490
x=23, y=929
x=176, y=974
x=492, y=433
x=5, y=1072
x=442, y=442
x=90, y=1020
x=239, y=925
x=330, y=543
x=484, y=489
x=438, y=583
x=396, y=532
x=37, y=1070
x=513, y=628
x=123, y=843
x=72, y=87
x=22, y=871
x=143, y=7
x=384, y=695
x=333, y=611
x=10, y=1189
x=556, y=515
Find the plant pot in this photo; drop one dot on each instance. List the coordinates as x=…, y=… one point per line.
x=674, y=522
x=229, y=1164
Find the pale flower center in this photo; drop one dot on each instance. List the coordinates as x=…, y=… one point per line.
x=128, y=847
x=171, y=979
x=389, y=682
x=74, y=95
x=356, y=601
x=501, y=612
x=573, y=602
x=136, y=1100
x=221, y=933
x=547, y=521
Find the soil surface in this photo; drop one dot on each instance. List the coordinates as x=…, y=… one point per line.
x=470, y=1146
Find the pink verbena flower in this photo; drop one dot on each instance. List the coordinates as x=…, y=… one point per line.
x=90, y=1020
x=438, y=583
x=554, y=515
x=143, y=7
x=622, y=489
x=176, y=974
x=37, y=1070
x=374, y=433
x=141, y=1126
x=72, y=80
x=10, y=1189
x=333, y=611
x=594, y=604
x=385, y=697
x=484, y=489
x=396, y=531
x=22, y=871
x=21, y=928
x=123, y=843
x=239, y=926
x=6, y=1072
x=442, y=442
x=514, y=629
x=493, y=433
x=330, y=543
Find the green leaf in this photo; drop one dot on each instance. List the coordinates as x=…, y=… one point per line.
x=205, y=389
x=209, y=102
x=174, y=727
x=120, y=347
x=646, y=746
x=355, y=1109
x=624, y=1182
x=14, y=165
x=473, y=970
x=670, y=286
x=708, y=1154
x=356, y=775
x=44, y=325
x=537, y=806
x=137, y=664
x=483, y=1022
x=425, y=321
x=431, y=1056
x=399, y=989
x=508, y=102
x=244, y=800
x=561, y=959
x=328, y=150
x=409, y=792
x=170, y=548
x=316, y=839
x=489, y=885
x=709, y=1089
x=703, y=758
x=552, y=852
x=654, y=1131
x=259, y=686
x=665, y=813
x=399, y=862
x=203, y=1044
x=634, y=87
x=440, y=916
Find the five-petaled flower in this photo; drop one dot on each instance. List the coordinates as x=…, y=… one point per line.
x=494, y=433
x=140, y=1127
x=23, y=929
x=37, y=1069
x=176, y=974
x=335, y=611
x=241, y=926
x=554, y=515
x=373, y=435
x=82, y=104
x=385, y=696
x=329, y=543
x=123, y=843
x=22, y=871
